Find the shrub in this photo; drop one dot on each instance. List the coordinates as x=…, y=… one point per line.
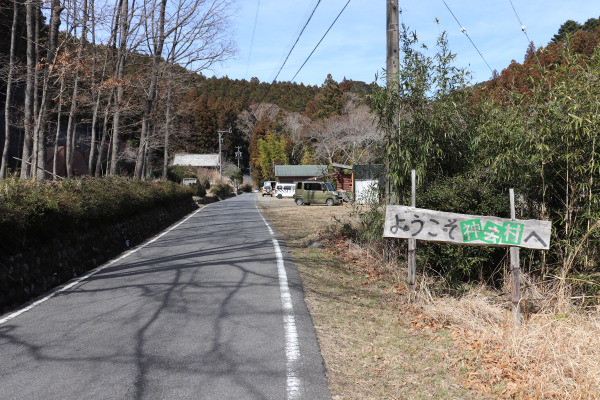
x=204, y=178
x=176, y=173
x=221, y=190
x=464, y=195
x=198, y=189
x=246, y=188
x=39, y=208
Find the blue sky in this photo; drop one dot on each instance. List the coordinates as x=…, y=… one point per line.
x=355, y=47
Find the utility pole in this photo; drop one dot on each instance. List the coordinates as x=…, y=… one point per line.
x=238, y=155
x=393, y=62
x=220, y=145
x=392, y=72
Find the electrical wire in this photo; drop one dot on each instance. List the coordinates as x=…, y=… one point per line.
x=274, y=80
x=297, y=39
x=311, y=53
x=525, y=32
x=463, y=30
x=252, y=40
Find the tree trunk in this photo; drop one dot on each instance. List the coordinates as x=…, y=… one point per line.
x=36, y=92
x=9, y=84
x=113, y=37
x=168, y=123
x=28, y=112
x=97, y=103
x=120, y=74
x=57, y=136
x=104, y=134
x=72, y=124
x=40, y=135
x=158, y=47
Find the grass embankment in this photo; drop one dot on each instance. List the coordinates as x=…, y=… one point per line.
x=377, y=346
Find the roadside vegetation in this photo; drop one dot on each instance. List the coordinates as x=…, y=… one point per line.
x=534, y=128
x=32, y=208
x=378, y=343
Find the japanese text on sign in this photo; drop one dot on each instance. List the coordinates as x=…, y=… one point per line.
x=414, y=223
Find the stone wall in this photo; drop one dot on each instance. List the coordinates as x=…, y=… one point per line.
x=39, y=265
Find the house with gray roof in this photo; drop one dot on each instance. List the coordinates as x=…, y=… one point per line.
x=197, y=160
x=295, y=173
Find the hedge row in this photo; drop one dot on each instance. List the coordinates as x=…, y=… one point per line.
x=40, y=208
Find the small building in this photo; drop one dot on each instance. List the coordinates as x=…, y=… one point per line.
x=366, y=181
x=196, y=160
x=295, y=173
x=343, y=180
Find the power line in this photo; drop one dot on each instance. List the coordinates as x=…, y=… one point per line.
x=252, y=40
x=311, y=53
x=288, y=55
x=297, y=39
x=463, y=30
x=525, y=32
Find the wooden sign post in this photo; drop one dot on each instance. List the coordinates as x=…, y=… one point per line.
x=412, y=243
x=515, y=268
x=414, y=224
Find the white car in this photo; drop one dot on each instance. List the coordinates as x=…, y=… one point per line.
x=284, y=190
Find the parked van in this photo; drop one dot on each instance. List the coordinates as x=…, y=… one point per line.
x=284, y=190
x=315, y=192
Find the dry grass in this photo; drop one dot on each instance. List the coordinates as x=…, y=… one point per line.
x=376, y=345
x=549, y=357
x=374, y=348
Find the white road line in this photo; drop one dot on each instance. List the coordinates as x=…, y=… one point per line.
x=95, y=271
x=292, y=348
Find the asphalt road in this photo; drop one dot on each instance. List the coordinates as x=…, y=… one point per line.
x=204, y=311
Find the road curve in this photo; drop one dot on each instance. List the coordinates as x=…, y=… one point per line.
x=200, y=312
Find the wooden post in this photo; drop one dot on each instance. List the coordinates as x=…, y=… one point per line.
x=393, y=63
x=412, y=243
x=515, y=269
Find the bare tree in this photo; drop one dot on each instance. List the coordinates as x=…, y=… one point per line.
x=296, y=124
x=41, y=115
x=196, y=37
x=156, y=39
x=71, y=137
x=123, y=24
x=29, y=89
x=9, y=90
x=345, y=138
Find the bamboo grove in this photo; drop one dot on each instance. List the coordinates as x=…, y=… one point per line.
x=533, y=127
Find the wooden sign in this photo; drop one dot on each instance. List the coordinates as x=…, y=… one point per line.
x=436, y=226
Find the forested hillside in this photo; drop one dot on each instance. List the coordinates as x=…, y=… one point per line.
x=117, y=97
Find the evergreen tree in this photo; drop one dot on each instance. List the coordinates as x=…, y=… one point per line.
x=329, y=101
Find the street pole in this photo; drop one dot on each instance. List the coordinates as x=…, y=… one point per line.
x=393, y=62
x=238, y=155
x=392, y=66
x=220, y=144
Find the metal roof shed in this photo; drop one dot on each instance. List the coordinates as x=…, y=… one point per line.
x=294, y=173
x=196, y=160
